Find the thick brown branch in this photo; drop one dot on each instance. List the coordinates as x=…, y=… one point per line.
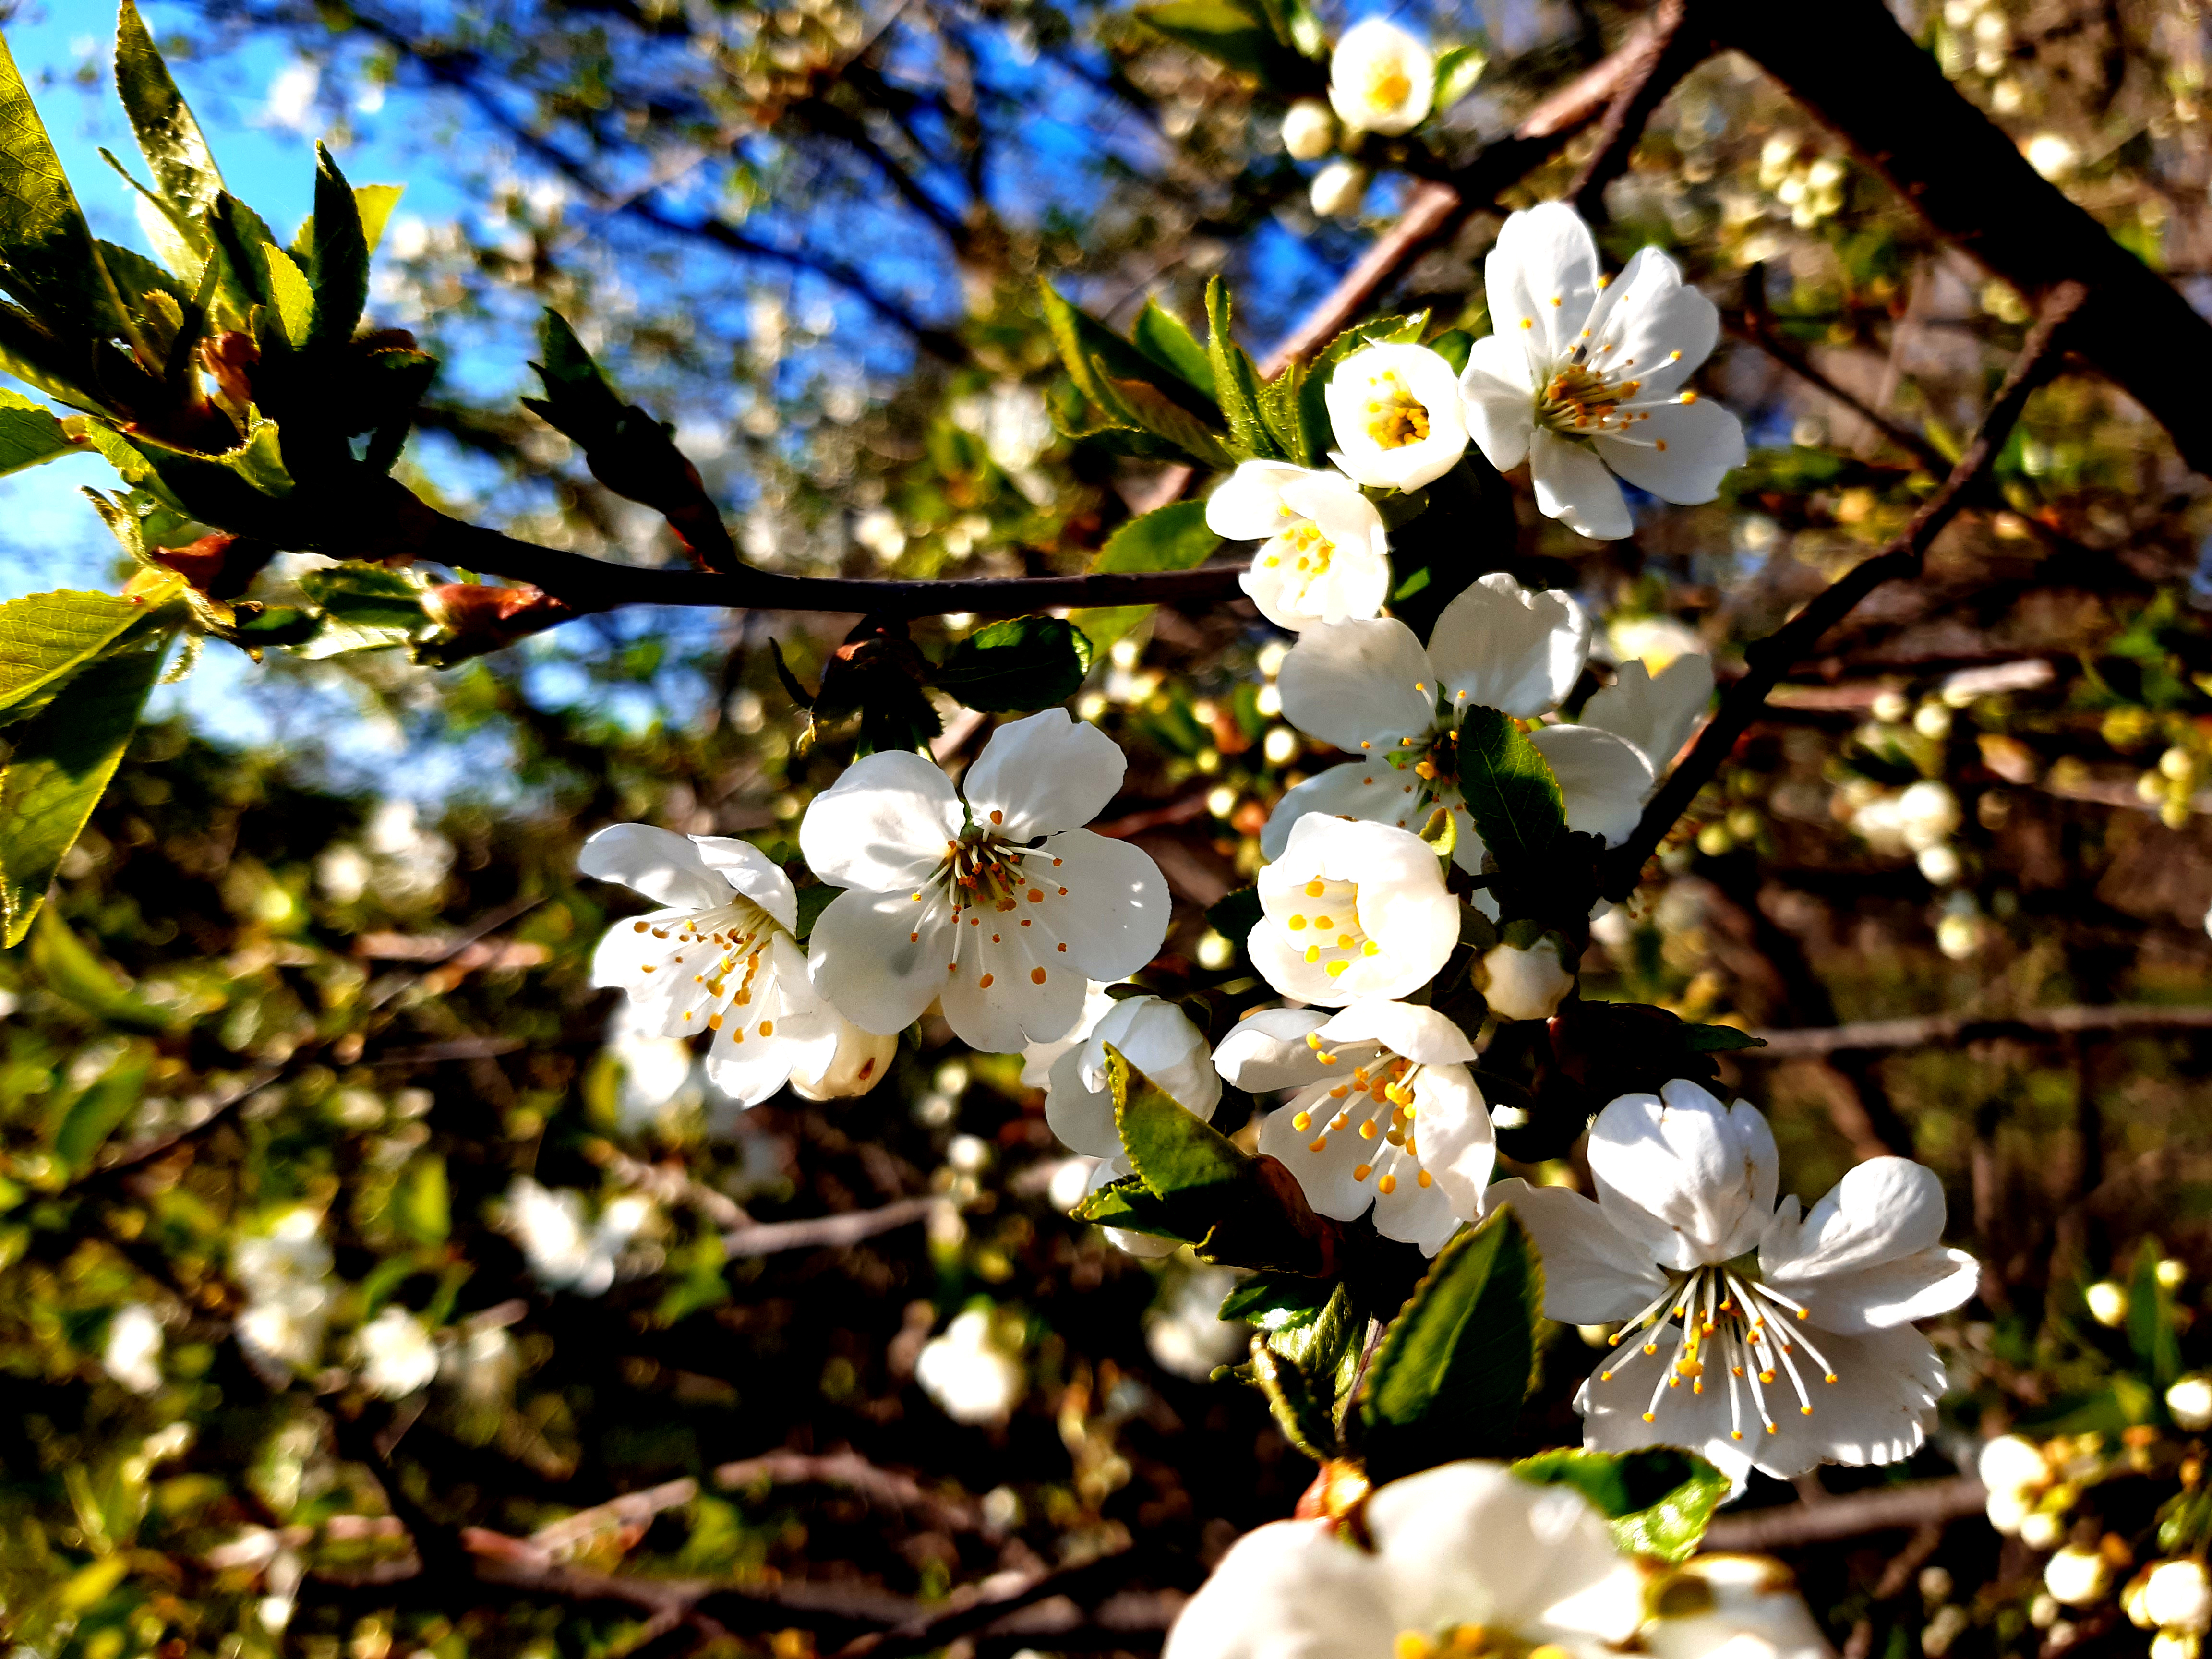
x=1670, y=47
x=1924, y=1503
x=891, y=1489
x=1951, y=1031
x=1766, y=661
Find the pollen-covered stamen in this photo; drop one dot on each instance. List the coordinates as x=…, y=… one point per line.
x=1375, y=1103
x=999, y=892
x=1326, y=927
x=1395, y=418
x=1580, y=400
x=1729, y=1318
x=1471, y=1641
x=716, y=966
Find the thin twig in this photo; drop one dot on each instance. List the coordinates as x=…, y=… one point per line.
x=922, y=1634
x=1766, y=661
x=891, y=1489
x=1791, y=1525
x=829, y=1231
x=1953, y=1030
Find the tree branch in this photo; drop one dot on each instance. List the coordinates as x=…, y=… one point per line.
x=1768, y=659
x=1787, y=1526
x=1668, y=50
x=1953, y=1030
x=827, y=1231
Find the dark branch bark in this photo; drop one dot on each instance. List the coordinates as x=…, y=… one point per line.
x=1951, y=1031
x=1671, y=46
x=1768, y=659
x=826, y=1232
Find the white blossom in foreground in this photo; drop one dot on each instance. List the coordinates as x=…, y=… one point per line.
x=1351, y=910
x=1396, y=416
x=1156, y=1039
x=859, y=1062
x=1730, y=1606
x=1758, y=1337
x=1526, y=981
x=566, y=1252
x=1583, y=378
x=1386, y=1113
x=1003, y=908
x=133, y=1354
x=396, y=1354
x=1370, y=689
x=971, y=1370
x=285, y=1273
x=718, y=956
x=1325, y=556
x=1381, y=79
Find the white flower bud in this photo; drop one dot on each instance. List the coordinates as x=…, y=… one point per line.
x=1338, y=189
x=1932, y=719
x=2190, y=1400
x=2007, y=1508
x=2108, y=1303
x=861, y=1062
x=2043, y=1611
x=1526, y=983
x=1927, y=814
x=2176, y=763
x=2176, y=1596
x=2042, y=1529
x=2012, y=1463
x=969, y=1372
x=2078, y=1577
x=1939, y=864
x=2175, y=1645
x=1890, y=705
x=1309, y=130
x=2172, y=1273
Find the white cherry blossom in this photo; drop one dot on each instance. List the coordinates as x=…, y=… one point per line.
x=1004, y=909
x=285, y=1272
x=566, y=1251
x=971, y=1371
x=1370, y=689
x=1156, y=1039
x=1397, y=416
x=1753, y=1334
x=1656, y=713
x=1351, y=910
x=1325, y=556
x=1381, y=79
x=1309, y=130
x=1583, y=378
x=396, y=1354
x=133, y=1354
x=1385, y=1114
x=718, y=956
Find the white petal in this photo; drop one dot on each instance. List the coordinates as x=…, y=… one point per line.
x=1039, y=1058
x=1752, y=1611
x=1421, y=1035
x=1500, y=396
x=1594, y=1273
x=1651, y=327
x=1006, y=995
x=664, y=867
x=1047, y=772
x=1678, y=452
x=1876, y=1412
x=1114, y=914
x=1917, y=1287
x=1424, y=1217
x=864, y=962
x=1268, y=1051
x=1290, y=1589
x=1656, y=715
x=1684, y=1174
x=1541, y=279
x=1604, y=778
x=753, y=873
x=1247, y=506
x=1573, y=486
x=618, y=963
x=1387, y=374
x=1883, y=1209
x=1358, y=789
x=1082, y=1116
x=1324, y=1177
x=1354, y=681
x=1293, y=592
x=1399, y=903
x=1157, y=1037
x=1458, y=1146
x=1498, y=645
x=884, y=824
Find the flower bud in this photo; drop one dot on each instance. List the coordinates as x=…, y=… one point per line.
x=2190, y=1400
x=1309, y=130
x=2007, y=1508
x=2012, y=1463
x=2042, y=1529
x=2176, y=1596
x=1526, y=983
x=1338, y=189
x=861, y=1060
x=1939, y=864
x=2176, y=763
x=2175, y=1645
x=2078, y=1577
x=2108, y=1303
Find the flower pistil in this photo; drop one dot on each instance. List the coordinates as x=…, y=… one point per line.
x=1729, y=1319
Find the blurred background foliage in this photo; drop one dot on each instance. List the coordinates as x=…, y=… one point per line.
x=328, y=912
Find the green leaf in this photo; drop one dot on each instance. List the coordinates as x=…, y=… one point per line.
x=184, y=167
x=1175, y=1153
x=1307, y=1371
x=372, y=204
x=1171, y=537
x=1167, y=340
x=1016, y=666
x=1277, y=1302
x=1718, y=1039
x=1158, y=413
x=1127, y=1204
x=364, y=607
x=1298, y=1406
x=1231, y=35
x=1235, y=382
x=30, y=433
x=239, y=235
x=1234, y=915
x=47, y=258
x=1458, y=68
x=2151, y=1331
x=1509, y=787
x=63, y=758
x=813, y=901
x=1454, y=346
x=1282, y=410
x=45, y=638
x=339, y=269
x=293, y=296
x=1659, y=1500
x=422, y=1204
x=1455, y=1365
x=100, y=1109
x=1084, y=344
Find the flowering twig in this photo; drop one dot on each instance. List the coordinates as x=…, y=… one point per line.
x=1768, y=659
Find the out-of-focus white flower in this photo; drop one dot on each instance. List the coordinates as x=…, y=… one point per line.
x=133, y=1354
x=1584, y=379
x=1001, y=907
x=1939, y=864
x=2190, y=1400
x=566, y=1251
x=1324, y=556
x=1823, y=1310
x=1386, y=1114
x=1655, y=641
x=291, y=97
x=1928, y=814
x=1395, y=411
x=396, y=1354
x=285, y=1273
x=656, y=1074
x=1188, y=1335
x=483, y=1365
x=2108, y=1303
x=1526, y=983
x=2078, y=1577
x=1012, y=421
x=2012, y=1463
x=2175, y=1596
x=1309, y=130
x=970, y=1371
x=878, y=530
x=1338, y=190
x=2042, y=1529
x=2053, y=157
x=1381, y=79
x=1352, y=911
x=1730, y=1606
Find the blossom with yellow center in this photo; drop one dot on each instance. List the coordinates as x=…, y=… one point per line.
x=1324, y=557
x=1396, y=415
x=1381, y=79
x=1351, y=910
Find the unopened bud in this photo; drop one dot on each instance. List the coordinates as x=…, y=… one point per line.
x=2012, y=1463
x=1338, y=189
x=2078, y=1577
x=861, y=1062
x=2190, y=1400
x=2108, y=1303
x=2042, y=1529
x=1309, y=130
x=2176, y=1596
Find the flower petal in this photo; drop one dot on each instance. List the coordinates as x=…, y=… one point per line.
x=1500, y=396
x=1002, y=998
x=664, y=867
x=1655, y=715
x=1321, y=1162
x=1458, y=1146
x=1424, y=1217
x=1498, y=645
x=1604, y=778
x=1290, y=1589
x=865, y=964
x=1114, y=914
x=1573, y=486
x=1883, y=1209
x=1268, y=1051
x=1541, y=279
x=1049, y=771
x=1082, y=1116
x=1157, y=1037
x=884, y=824
x=1649, y=324
x=1677, y=452
x=1918, y=1286
x=1355, y=682
x=1419, y=1034
x=753, y=873
x=1364, y=789
x=1594, y=1273
x=1247, y=505
x=1693, y=1179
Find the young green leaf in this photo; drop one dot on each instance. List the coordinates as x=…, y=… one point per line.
x=1158, y=413
x=1016, y=666
x=1277, y=1302
x=1509, y=787
x=1174, y=1153
x=338, y=268
x=1235, y=382
x=47, y=258
x=170, y=139
x=1243, y=38
x=1167, y=340
x=292, y=295
x=1129, y=1205
x=1085, y=344
x=1282, y=411
x=364, y=607
x=1718, y=1039
x=1458, y=69
x=374, y=204
x=97, y=1111
x=1171, y=538
x=62, y=757
x=1659, y=1500
x=30, y=433
x=72, y=971
x=45, y=638
x=1454, y=1366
